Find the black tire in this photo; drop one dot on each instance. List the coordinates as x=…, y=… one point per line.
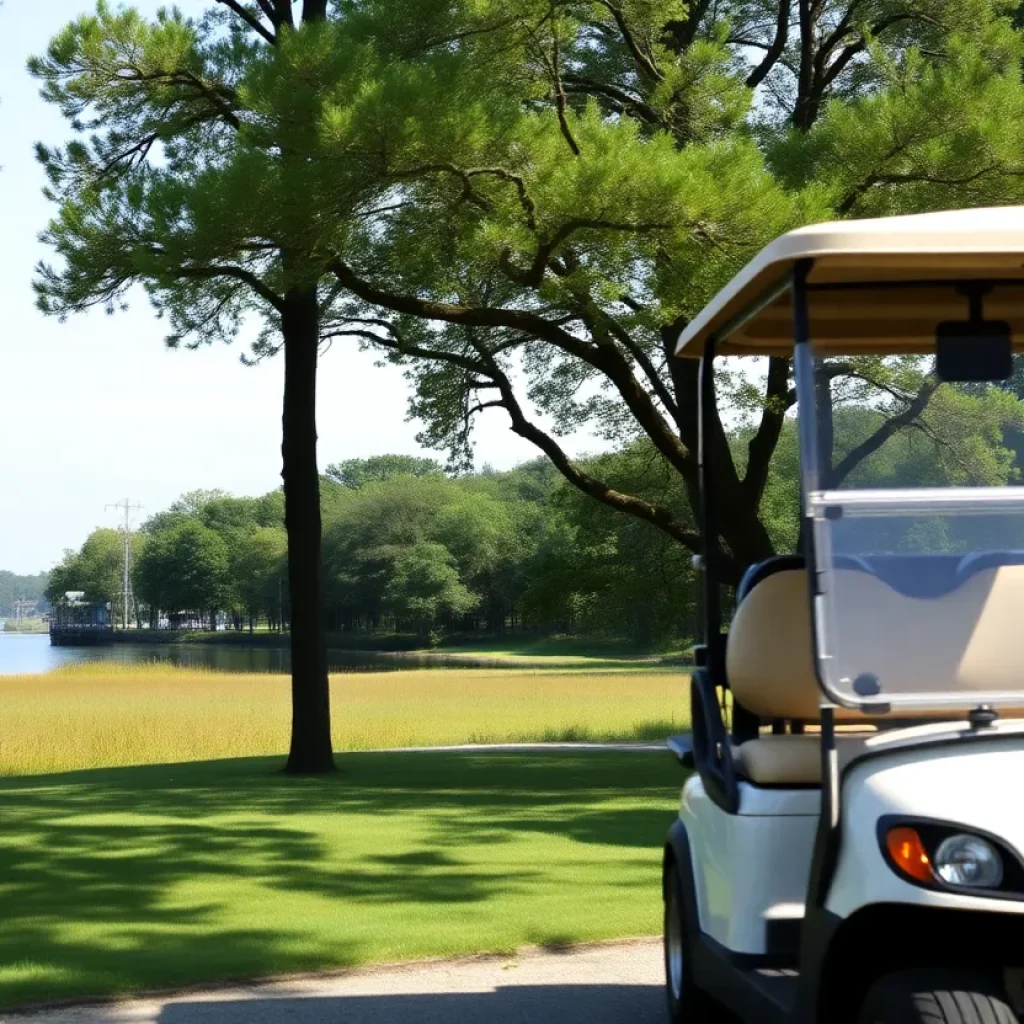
x=686, y=1003
x=936, y=997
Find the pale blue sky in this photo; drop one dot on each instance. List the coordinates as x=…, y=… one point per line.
x=96, y=409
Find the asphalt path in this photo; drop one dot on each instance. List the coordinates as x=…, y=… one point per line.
x=608, y=983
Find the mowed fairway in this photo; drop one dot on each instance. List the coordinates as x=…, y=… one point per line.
x=122, y=879
x=105, y=715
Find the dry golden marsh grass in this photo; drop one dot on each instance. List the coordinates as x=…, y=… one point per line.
x=102, y=715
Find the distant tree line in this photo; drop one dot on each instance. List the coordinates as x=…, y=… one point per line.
x=409, y=548
x=15, y=588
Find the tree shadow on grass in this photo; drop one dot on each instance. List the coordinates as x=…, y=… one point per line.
x=103, y=853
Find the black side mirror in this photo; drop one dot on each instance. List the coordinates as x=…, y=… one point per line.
x=974, y=351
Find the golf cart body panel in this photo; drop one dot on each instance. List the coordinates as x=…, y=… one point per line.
x=858, y=729
x=743, y=894
x=964, y=784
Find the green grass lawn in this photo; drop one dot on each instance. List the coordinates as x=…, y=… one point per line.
x=555, y=651
x=118, y=880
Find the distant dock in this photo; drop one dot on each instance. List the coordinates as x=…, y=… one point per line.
x=76, y=622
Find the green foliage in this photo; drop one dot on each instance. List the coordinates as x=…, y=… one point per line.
x=610, y=574
x=184, y=568
x=355, y=473
x=20, y=588
x=96, y=569
x=258, y=567
x=424, y=583
x=522, y=203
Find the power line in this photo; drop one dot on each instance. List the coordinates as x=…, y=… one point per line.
x=128, y=507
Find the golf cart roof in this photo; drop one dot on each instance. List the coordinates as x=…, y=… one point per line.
x=877, y=286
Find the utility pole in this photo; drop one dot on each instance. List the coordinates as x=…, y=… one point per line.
x=126, y=582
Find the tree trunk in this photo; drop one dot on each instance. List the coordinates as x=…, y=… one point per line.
x=311, y=708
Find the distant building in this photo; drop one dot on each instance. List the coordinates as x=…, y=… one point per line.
x=77, y=622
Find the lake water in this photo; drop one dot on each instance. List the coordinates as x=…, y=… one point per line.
x=31, y=653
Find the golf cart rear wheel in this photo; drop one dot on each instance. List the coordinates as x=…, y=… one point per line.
x=936, y=997
x=686, y=1003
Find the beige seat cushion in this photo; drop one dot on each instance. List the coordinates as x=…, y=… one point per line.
x=792, y=760
x=965, y=640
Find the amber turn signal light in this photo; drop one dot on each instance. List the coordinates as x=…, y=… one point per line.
x=908, y=853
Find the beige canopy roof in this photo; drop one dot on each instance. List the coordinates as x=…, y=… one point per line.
x=872, y=316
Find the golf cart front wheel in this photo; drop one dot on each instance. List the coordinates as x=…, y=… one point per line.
x=686, y=1003
x=936, y=997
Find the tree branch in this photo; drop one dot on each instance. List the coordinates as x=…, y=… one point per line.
x=849, y=52
x=761, y=447
x=643, y=360
x=268, y=11
x=284, y=12
x=239, y=274
x=470, y=316
x=535, y=275
x=251, y=20
x=682, y=33
x=607, y=358
x=915, y=178
x=645, y=61
x=775, y=50
x=559, y=90
x=885, y=431
x=575, y=83
x=399, y=345
x=803, y=113
x=647, y=511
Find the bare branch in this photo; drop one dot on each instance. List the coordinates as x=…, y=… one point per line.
x=284, y=12
x=559, y=90
x=849, y=52
x=239, y=274
x=775, y=50
x=480, y=406
x=575, y=83
x=250, y=19
x=402, y=347
x=643, y=360
x=268, y=11
x=778, y=399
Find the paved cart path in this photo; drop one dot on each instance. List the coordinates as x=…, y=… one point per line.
x=609, y=983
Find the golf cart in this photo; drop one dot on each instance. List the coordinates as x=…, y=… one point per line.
x=850, y=845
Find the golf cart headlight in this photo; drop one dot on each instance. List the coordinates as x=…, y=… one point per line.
x=968, y=861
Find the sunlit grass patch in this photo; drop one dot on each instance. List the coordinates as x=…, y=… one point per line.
x=118, y=880
x=103, y=715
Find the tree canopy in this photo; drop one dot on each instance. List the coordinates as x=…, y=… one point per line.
x=520, y=202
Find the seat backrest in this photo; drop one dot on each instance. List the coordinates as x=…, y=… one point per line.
x=768, y=654
x=769, y=567
x=966, y=638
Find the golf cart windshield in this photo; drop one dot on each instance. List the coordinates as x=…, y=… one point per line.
x=918, y=530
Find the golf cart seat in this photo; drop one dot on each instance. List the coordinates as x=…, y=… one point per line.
x=769, y=661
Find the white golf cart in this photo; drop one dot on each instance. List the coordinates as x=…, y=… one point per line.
x=849, y=847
